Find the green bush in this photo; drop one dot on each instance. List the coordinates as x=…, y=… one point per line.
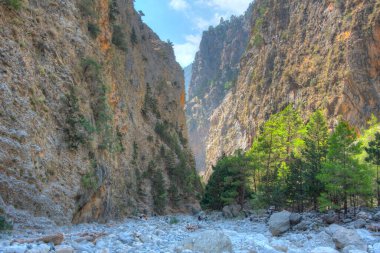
x=113, y=10
x=4, y=225
x=118, y=38
x=93, y=29
x=14, y=4
x=78, y=129
x=173, y=220
x=134, y=40
x=89, y=180
x=158, y=190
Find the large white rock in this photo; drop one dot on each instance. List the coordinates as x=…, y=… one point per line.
x=324, y=250
x=64, y=249
x=344, y=237
x=279, y=223
x=210, y=241
x=376, y=248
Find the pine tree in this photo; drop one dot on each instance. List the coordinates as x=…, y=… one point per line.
x=373, y=151
x=344, y=177
x=314, y=154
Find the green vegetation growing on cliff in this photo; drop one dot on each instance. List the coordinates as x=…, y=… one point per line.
x=290, y=165
x=14, y=4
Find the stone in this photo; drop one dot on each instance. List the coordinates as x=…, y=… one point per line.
x=64, y=249
x=324, y=250
x=376, y=217
x=43, y=248
x=330, y=218
x=210, y=241
x=279, y=223
x=231, y=211
x=280, y=245
x=295, y=218
x=14, y=249
x=363, y=215
x=352, y=249
x=344, y=237
x=360, y=223
x=376, y=247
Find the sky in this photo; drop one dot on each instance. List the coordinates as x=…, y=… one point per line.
x=183, y=21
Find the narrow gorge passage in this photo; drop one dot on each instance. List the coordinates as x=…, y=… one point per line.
x=189, y=126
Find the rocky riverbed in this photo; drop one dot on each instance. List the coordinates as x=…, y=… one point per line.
x=189, y=234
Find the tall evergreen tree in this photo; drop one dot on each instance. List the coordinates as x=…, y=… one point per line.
x=344, y=177
x=314, y=155
x=373, y=151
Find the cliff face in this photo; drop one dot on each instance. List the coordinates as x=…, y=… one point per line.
x=215, y=70
x=315, y=54
x=92, y=124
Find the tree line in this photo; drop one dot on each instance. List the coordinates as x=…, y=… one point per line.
x=301, y=166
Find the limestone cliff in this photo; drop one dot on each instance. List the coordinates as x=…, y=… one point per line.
x=315, y=54
x=92, y=124
x=215, y=70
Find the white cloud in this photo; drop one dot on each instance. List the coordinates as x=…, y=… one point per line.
x=179, y=4
x=185, y=52
x=228, y=7
x=203, y=24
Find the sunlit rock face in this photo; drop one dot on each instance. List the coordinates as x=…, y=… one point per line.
x=91, y=111
x=315, y=54
x=215, y=72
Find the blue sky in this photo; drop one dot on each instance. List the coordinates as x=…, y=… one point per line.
x=183, y=21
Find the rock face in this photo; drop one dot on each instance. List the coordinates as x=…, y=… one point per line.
x=315, y=54
x=215, y=70
x=279, y=222
x=92, y=122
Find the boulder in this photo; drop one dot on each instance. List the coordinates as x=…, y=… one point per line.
x=352, y=249
x=344, y=237
x=279, y=223
x=231, y=211
x=376, y=217
x=210, y=241
x=376, y=248
x=64, y=249
x=363, y=215
x=295, y=218
x=324, y=250
x=330, y=218
x=359, y=223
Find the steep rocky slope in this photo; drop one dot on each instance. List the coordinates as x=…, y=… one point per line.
x=315, y=54
x=215, y=70
x=92, y=124
x=188, y=72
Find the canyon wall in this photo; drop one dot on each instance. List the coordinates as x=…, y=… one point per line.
x=313, y=54
x=92, y=122
x=215, y=71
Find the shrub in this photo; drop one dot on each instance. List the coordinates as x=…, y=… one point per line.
x=14, y=4
x=113, y=10
x=158, y=190
x=78, y=129
x=86, y=7
x=89, y=180
x=133, y=37
x=118, y=38
x=93, y=29
x=4, y=225
x=173, y=220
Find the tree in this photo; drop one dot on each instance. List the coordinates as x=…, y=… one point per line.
x=227, y=184
x=314, y=154
x=373, y=151
x=344, y=177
